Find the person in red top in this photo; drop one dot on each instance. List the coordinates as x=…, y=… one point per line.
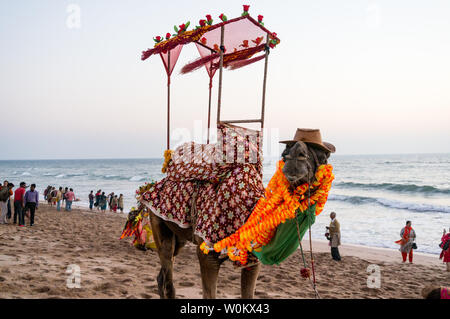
x=19, y=204
x=446, y=253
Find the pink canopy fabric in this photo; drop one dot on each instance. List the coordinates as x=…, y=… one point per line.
x=174, y=54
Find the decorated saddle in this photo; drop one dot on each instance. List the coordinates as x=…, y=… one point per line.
x=210, y=187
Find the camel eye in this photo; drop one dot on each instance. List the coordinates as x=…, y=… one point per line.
x=288, y=157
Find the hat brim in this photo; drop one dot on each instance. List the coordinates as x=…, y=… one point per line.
x=325, y=146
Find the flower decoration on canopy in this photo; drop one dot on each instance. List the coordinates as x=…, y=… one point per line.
x=168, y=35
x=273, y=40
x=203, y=40
x=209, y=19
x=246, y=7
x=181, y=28
x=260, y=20
x=202, y=23
x=157, y=39
x=258, y=40
x=223, y=17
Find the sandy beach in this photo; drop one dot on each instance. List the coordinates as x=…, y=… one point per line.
x=34, y=260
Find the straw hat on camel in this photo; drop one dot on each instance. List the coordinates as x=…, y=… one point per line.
x=311, y=136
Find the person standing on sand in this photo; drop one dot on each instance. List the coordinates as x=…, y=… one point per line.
x=335, y=237
x=59, y=199
x=70, y=197
x=102, y=202
x=91, y=200
x=445, y=245
x=19, y=204
x=5, y=193
x=97, y=199
x=31, y=202
x=64, y=194
x=120, y=204
x=408, y=236
x=114, y=203
x=110, y=198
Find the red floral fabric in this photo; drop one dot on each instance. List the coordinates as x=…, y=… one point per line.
x=227, y=177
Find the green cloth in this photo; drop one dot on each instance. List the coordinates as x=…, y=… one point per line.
x=285, y=241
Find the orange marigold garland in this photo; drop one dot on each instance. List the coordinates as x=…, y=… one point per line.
x=167, y=159
x=278, y=205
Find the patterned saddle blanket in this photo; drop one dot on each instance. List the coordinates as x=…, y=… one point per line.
x=223, y=181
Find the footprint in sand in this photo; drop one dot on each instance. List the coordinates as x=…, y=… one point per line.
x=42, y=289
x=186, y=284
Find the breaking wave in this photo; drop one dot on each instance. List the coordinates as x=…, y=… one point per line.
x=360, y=200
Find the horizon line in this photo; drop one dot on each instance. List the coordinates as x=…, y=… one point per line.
x=142, y=158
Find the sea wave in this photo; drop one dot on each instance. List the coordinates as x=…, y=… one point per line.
x=137, y=178
x=360, y=200
x=402, y=188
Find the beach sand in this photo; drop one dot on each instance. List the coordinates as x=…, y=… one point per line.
x=34, y=261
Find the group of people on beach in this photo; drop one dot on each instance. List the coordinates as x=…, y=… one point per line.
x=407, y=242
x=101, y=201
x=25, y=203
x=55, y=196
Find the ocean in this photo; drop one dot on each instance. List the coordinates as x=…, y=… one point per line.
x=372, y=195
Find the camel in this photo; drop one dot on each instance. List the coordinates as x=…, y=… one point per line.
x=301, y=162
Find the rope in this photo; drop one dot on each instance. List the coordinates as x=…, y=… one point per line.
x=310, y=243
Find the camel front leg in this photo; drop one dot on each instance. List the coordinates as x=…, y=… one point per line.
x=209, y=269
x=249, y=275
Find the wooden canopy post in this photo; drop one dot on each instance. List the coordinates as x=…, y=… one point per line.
x=168, y=100
x=209, y=101
x=266, y=60
x=219, y=99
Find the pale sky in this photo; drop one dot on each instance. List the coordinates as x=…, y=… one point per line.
x=374, y=76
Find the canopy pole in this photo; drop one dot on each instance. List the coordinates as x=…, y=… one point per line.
x=266, y=60
x=209, y=107
x=168, y=100
x=222, y=29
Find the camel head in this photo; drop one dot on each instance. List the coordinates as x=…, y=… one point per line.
x=301, y=162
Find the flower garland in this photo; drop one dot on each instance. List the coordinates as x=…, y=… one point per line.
x=278, y=205
x=167, y=159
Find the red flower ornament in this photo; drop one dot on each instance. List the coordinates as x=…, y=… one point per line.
x=168, y=35
x=209, y=19
x=157, y=39
x=223, y=17
x=260, y=18
x=202, y=22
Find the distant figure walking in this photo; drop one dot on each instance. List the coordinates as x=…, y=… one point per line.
x=91, y=200
x=19, y=204
x=445, y=246
x=120, y=205
x=335, y=236
x=32, y=202
x=70, y=197
x=408, y=236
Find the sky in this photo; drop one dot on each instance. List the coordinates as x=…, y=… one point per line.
x=373, y=76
